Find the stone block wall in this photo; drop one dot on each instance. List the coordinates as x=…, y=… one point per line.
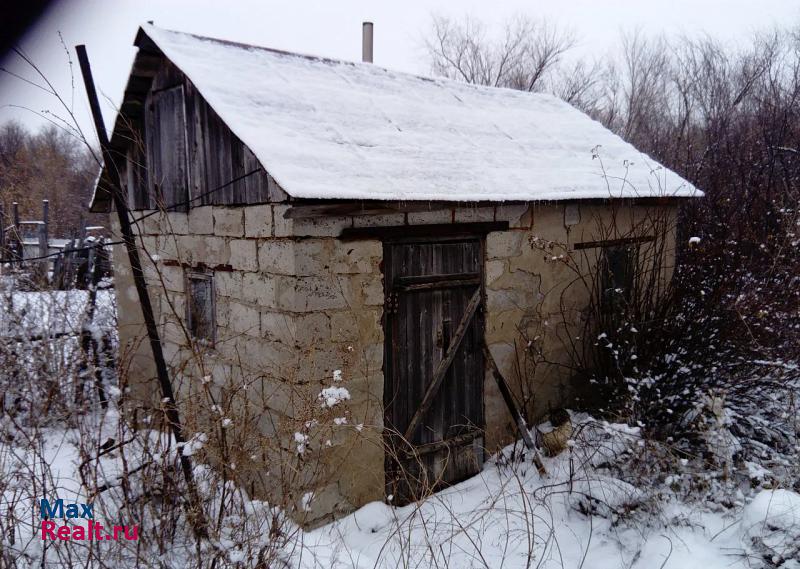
x=294, y=304
x=536, y=303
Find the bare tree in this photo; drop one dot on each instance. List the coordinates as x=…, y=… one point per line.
x=48, y=164
x=521, y=59
x=646, y=70
x=580, y=84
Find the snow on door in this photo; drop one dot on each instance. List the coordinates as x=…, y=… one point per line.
x=434, y=365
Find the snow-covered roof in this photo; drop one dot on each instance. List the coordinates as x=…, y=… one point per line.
x=334, y=129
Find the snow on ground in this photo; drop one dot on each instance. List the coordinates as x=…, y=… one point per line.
x=53, y=312
x=581, y=515
x=596, y=509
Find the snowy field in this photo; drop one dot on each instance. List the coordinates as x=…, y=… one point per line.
x=586, y=513
x=51, y=313
x=583, y=515
x=612, y=500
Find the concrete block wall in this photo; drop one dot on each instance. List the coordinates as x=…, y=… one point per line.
x=536, y=304
x=294, y=303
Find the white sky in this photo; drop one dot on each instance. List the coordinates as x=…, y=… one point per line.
x=333, y=28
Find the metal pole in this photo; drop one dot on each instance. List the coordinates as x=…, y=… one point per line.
x=366, y=42
x=170, y=408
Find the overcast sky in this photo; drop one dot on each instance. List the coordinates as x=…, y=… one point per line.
x=333, y=28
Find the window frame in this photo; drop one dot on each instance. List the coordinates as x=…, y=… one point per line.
x=607, y=285
x=203, y=275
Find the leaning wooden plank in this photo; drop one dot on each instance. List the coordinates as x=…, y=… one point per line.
x=522, y=426
x=444, y=365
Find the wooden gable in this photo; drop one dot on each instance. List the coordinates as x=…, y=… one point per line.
x=174, y=150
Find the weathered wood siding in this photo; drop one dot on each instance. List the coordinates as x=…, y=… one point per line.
x=191, y=157
x=165, y=128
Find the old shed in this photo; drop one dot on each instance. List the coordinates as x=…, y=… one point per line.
x=331, y=243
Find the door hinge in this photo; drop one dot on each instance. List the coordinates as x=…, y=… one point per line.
x=392, y=303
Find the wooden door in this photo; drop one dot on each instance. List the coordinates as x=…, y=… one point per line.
x=434, y=364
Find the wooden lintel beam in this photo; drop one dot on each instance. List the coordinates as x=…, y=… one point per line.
x=420, y=279
x=434, y=282
x=454, y=442
x=438, y=285
x=359, y=207
x=400, y=232
x=321, y=208
x=614, y=242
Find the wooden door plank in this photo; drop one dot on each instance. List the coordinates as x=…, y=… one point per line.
x=443, y=366
x=413, y=321
x=429, y=448
x=405, y=281
x=439, y=284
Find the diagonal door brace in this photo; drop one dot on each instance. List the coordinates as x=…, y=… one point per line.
x=444, y=365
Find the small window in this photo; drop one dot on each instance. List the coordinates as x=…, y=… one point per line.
x=200, y=316
x=617, y=266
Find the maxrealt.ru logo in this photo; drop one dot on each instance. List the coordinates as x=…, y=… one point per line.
x=76, y=512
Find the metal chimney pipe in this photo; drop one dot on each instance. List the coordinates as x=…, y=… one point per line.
x=366, y=42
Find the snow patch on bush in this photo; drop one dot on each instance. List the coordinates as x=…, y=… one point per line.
x=332, y=396
x=194, y=444
x=302, y=442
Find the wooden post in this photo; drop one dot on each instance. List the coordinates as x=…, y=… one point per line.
x=522, y=426
x=195, y=512
x=44, y=242
x=43, y=252
x=76, y=259
x=2, y=233
x=42, y=235
x=17, y=252
x=89, y=345
x=46, y=220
